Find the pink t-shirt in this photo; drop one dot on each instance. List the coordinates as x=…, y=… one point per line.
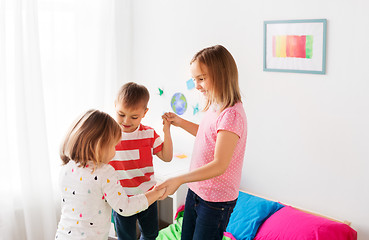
x=226, y=186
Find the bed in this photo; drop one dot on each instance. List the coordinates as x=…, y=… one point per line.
x=257, y=218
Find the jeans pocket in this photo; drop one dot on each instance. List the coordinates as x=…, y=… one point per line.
x=219, y=206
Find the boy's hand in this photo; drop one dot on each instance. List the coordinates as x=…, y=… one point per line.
x=166, y=125
x=172, y=118
x=166, y=153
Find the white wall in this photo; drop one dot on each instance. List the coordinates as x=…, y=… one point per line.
x=308, y=142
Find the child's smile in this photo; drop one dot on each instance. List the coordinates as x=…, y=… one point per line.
x=201, y=77
x=129, y=118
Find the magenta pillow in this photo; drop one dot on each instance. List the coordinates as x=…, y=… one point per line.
x=292, y=224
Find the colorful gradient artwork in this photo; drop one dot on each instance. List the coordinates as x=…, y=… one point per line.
x=293, y=46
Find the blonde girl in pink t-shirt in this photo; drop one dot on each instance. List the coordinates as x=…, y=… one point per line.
x=219, y=148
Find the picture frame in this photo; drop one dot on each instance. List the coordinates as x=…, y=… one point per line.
x=297, y=46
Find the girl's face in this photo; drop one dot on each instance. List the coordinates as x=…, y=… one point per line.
x=109, y=152
x=129, y=119
x=201, y=77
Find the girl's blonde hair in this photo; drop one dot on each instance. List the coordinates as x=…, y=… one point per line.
x=88, y=137
x=224, y=74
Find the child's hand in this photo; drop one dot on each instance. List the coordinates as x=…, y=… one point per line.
x=166, y=124
x=160, y=192
x=170, y=185
x=172, y=118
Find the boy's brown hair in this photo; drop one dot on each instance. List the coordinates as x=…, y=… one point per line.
x=133, y=95
x=88, y=137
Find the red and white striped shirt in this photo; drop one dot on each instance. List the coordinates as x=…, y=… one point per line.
x=133, y=159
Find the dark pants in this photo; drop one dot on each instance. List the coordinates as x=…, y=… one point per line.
x=147, y=221
x=205, y=220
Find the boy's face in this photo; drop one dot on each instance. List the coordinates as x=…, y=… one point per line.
x=129, y=118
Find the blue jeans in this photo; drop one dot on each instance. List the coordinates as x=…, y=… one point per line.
x=147, y=220
x=203, y=219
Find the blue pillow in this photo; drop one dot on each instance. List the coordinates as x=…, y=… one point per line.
x=249, y=213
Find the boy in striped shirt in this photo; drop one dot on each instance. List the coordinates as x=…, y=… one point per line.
x=133, y=158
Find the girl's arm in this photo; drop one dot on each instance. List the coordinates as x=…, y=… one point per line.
x=166, y=153
x=153, y=195
x=182, y=123
x=116, y=197
x=224, y=148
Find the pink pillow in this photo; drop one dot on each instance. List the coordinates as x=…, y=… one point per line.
x=292, y=224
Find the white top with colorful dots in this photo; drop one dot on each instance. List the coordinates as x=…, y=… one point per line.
x=87, y=201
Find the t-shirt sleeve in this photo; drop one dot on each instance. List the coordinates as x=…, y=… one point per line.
x=157, y=143
x=231, y=121
x=115, y=195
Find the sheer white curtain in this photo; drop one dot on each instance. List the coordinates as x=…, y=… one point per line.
x=58, y=58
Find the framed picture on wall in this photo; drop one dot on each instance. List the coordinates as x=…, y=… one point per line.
x=296, y=46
